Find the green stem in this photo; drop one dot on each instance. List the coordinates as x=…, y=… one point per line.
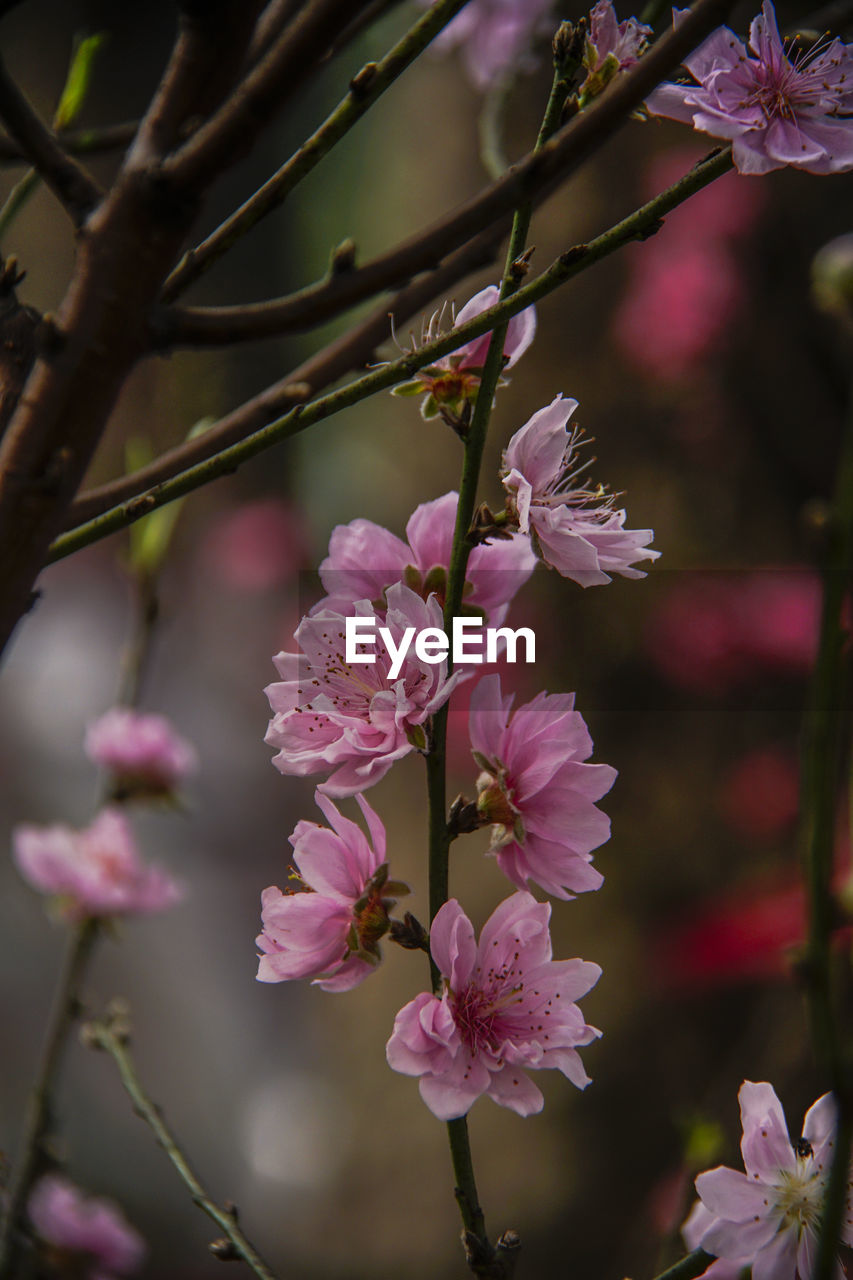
x=463, y=1172
x=66, y=1010
x=688, y=1268
x=104, y=1036
x=826, y=742
x=636, y=226
x=275, y=191
x=17, y=199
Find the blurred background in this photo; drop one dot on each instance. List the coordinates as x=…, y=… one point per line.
x=715, y=391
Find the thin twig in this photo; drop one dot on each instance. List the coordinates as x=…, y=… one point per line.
x=76, y=191
x=78, y=142
x=209, y=462
x=365, y=90
x=112, y=1038
x=688, y=1268
x=273, y=20
x=66, y=1010
x=531, y=179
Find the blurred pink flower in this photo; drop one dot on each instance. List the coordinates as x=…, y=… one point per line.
x=495, y=35
x=96, y=872
x=775, y=111
x=329, y=929
x=576, y=530
x=257, y=546
x=760, y=793
x=364, y=560
x=93, y=1232
x=769, y=1219
x=143, y=752
x=355, y=721
x=717, y=630
x=453, y=381
x=536, y=791
x=506, y=1007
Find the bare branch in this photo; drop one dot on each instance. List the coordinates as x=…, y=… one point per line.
x=234, y=127
x=78, y=142
x=531, y=179
x=271, y=23
x=72, y=186
x=365, y=90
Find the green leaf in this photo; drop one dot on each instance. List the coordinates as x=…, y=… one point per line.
x=78, y=80
x=416, y=388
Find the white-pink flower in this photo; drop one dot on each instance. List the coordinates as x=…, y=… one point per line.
x=611, y=46
x=329, y=929
x=94, y=1232
x=143, y=752
x=774, y=110
x=454, y=380
x=364, y=560
x=768, y=1217
x=536, y=789
x=576, y=529
x=95, y=872
x=354, y=721
x=496, y=36
x=506, y=1007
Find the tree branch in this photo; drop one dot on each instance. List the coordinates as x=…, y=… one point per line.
x=111, y=1036
x=215, y=463
x=365, y=90
x=72, y=186
x=532, y=178
x=78, y=142
x=273, y=20
x=232, y=130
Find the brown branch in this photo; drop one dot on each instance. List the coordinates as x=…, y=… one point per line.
x=234, y=127
x=532, y=178
x=353, y=350
x=78, y=142
x=271, y=23
x=70, y=183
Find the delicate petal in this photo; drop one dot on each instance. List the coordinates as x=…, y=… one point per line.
x=730, y=1195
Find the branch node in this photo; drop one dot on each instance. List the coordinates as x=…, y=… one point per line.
x=343, y=258
x=362, y=80
x=50, y=338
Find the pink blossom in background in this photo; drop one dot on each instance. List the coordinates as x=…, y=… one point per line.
x=506, y=1007
x=353, y=722
x=496, y=36
x=329, y=928
x=97, y=871
x=143, y=752
x=768, y=1217
x=364, y=560
x=611, y=46
x=256, y=546
x=775, y=111
x=760, y=794
x=454, y=380
x=714, y=631
x=536, y=790
x=100, y=1240
x=576, y=530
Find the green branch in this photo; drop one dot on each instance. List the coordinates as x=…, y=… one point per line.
x=636, y=226
x=688, y=1268
x=110, y=1036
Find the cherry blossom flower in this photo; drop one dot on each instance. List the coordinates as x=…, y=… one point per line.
x=506, y=1007
x=91, y=1232
x=611, y=47
x=95, y=872
x=776, y=111
x=768, y=1217
x=452, y=383
x=329, y=929
x=364, y=560
x=355, y=721
x=495, y=36
x=698, y=1222
x=576, y=530
x=536, y=790
x=143, y=752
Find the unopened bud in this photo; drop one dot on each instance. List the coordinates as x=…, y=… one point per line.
x=409, y=933
x=832, y=277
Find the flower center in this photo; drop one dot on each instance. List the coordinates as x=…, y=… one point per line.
x=800, y=1196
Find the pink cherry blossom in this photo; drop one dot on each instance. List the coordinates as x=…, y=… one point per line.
x=776, y=111
x=355, y=721
x=96, y=872
x=453, y=381
x=329, y=930
x=611, y=46
x=495, y=36
x=506, y=1007
x=143, y=752
x=577, y=530
x=364, y=560
x=768, y=1217
x=93, y=1231
x=536, y=790
x=698, y=1222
